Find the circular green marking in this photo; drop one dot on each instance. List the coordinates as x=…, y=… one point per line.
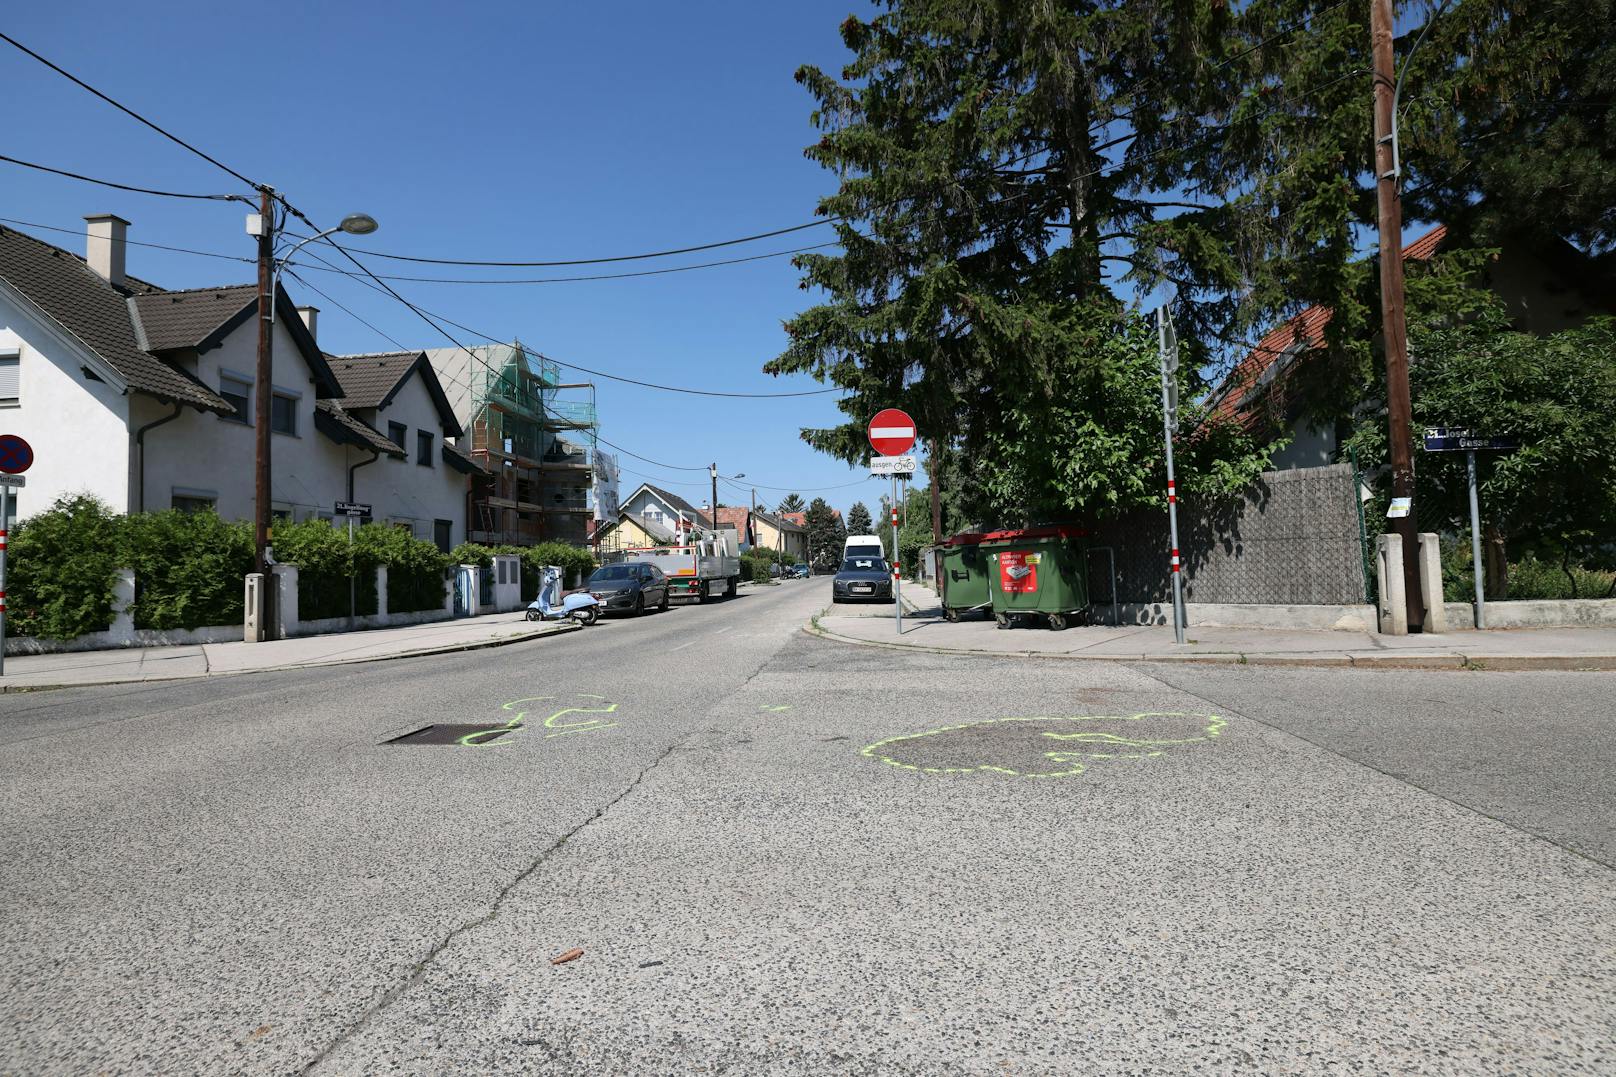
x=1041, y=753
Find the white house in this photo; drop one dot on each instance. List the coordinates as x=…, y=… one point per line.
x=144, y=397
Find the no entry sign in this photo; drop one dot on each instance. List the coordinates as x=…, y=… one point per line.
x=16, y=455
x=892, y=432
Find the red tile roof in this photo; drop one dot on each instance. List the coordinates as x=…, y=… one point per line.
x=1234, y=397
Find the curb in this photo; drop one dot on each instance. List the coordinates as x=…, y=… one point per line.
x=452, y=648
x=1492, y=663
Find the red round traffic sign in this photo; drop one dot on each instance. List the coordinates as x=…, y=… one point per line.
x=16, y=455
x=892, y=432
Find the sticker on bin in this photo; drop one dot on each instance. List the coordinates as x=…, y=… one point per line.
x=1018, y=571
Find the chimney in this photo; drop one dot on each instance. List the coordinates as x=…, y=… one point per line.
x=311, y=320
x=105, y=236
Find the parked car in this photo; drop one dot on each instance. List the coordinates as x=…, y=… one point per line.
x=800, y=571
x=629, y=587
x=862, y=579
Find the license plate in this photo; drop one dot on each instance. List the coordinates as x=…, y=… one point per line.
x=863, y=588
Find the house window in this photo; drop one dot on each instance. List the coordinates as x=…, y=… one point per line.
x=10, y=379
x=423, y=448
x=397, y=433
x=238, y=392
x=193, y=503
x=442, y=531
x=283, y=414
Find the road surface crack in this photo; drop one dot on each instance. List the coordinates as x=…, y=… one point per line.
x=419, y=969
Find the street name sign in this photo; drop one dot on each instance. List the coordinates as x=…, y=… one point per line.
x=892, y=432
x=13, y=480
x=352, y=508
x=16, y=455
x=892, y=465
x=1460, y=439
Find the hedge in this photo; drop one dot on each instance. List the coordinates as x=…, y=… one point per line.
x=325, y=563
x=62, y=568
x=188, y=568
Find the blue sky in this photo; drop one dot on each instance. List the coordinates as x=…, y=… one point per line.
x=504, y=131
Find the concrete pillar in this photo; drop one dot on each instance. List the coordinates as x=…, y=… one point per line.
x=381, y=590
x=1389, y=570
x=448, y=592
x=1436, y=619
x=123, y=597
x=253, y=627
x=285, y=600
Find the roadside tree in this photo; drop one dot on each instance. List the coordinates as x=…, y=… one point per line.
x=858, y=519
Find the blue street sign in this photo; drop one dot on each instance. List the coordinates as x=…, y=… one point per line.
x=16, y=455
x=1461, y=439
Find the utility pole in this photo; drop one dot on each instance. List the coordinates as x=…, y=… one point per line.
x=1394, y=329
x=714, y=471
x=263, y=389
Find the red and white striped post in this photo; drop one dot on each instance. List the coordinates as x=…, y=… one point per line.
x=1167, y=342
x=5, y=540
x=897, y=575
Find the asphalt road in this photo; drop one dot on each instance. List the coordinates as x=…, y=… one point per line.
x=785, y=855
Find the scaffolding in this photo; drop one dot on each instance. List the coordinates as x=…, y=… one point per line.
x=535, y=434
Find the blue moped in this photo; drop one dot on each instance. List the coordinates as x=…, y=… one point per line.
x=581, y=606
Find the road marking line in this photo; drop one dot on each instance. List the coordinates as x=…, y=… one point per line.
x=682, y=646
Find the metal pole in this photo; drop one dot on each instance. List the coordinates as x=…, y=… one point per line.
x=1394, y=328
x=1172, y=486
x=1475, y=542
x=5, y=540
x=897, y=569
x=351, y=603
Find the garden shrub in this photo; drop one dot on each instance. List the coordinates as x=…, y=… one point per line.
x=472, y=553
x=416, y=569
x=63, y=564
x=325, y=562
x=189, y=568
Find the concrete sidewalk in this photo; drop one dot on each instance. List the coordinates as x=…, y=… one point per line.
x=35, y=672
x=924, y=629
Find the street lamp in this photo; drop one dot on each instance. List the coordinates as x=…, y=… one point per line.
x=262, y=226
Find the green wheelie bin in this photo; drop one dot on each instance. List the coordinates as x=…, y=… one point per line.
x=1038, y=572
x=964, y=575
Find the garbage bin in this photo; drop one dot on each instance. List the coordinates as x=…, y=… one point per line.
x=963, y=585
x=1037, y=572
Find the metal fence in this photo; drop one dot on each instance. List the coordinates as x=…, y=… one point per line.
x=1293, y=538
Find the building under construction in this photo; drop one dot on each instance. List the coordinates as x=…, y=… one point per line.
x=534, y=433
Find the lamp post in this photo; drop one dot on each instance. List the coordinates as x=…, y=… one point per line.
x=261, y=226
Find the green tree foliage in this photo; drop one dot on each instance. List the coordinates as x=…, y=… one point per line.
x=326, y=561
x=825, y=536
x=1555, y=498
x=188, y=567
x=1000, y=167
x=417, y=571
x=858, y=519
x=792, y=503
x=61, y=567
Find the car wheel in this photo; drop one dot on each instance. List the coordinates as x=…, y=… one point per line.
x=1002, y=620
x=664, y=603
x=639, y=604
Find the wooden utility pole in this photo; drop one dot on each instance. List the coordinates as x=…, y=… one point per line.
x=264, y=387
x=1399, y=410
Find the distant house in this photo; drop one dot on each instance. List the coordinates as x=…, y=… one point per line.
x=662, y=507
x=144, y=397
x=756, y=528
x=1545, y=288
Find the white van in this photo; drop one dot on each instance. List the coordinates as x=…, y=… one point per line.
x=863, y=546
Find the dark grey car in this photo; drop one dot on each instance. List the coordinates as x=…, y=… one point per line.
x=629, y=588
x=862, y=579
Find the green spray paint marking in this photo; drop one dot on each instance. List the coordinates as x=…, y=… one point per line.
x=775, y=708
x=999, y=747
x=553, y=722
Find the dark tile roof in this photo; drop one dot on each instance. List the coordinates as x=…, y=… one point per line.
x=457, y=459
x=89, y=308
x=344, y=429
x=674, y=501
x=170, y=321
x=372, y=380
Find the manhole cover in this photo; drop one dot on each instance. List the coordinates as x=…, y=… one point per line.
x=464, y=734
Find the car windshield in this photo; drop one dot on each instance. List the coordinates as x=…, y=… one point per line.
x=864, y=564
x=866, y=551
x=612, y=572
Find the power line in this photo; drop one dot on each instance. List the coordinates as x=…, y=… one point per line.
x=647, y=459
x=127, y=110
x=350, y=313
x=131, y=242
x=121, y=186
x=595, y=276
